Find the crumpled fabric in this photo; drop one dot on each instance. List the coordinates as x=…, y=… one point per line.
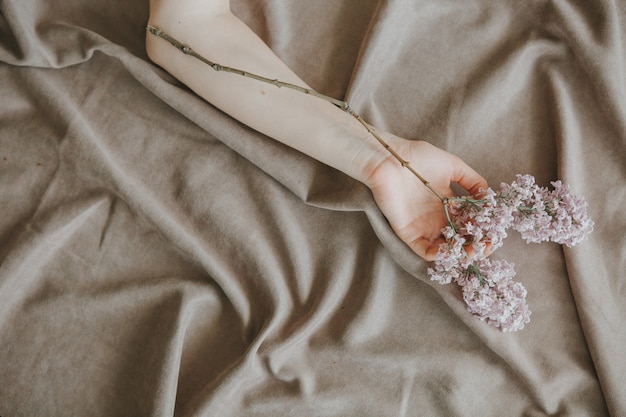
x=158, y=258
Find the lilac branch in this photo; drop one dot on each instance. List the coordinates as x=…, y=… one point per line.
x=343, y=105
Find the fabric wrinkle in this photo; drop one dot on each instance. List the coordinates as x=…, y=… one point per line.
x=159, y=258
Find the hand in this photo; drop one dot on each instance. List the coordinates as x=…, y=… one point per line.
x=310, y=126
x=415, y=213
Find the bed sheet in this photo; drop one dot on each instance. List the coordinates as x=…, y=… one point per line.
x=158, y=258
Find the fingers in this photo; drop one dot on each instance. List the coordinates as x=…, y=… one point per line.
x=428, y=250
x=425, y=248
x=467, y=178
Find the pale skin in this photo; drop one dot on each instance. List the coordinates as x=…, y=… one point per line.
x=309, y=124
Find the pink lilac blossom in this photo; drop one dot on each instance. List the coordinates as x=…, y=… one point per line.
x=560, y=217
x=480, y=222
x=491, y=294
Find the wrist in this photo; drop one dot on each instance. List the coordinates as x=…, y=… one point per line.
x=375, y=159
x=362, y=153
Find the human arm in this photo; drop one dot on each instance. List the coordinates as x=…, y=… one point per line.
x=310, y=125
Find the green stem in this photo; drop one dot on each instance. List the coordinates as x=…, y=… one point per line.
x=446, y=202
x=473, y=270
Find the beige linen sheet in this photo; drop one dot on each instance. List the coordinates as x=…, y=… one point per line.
x=158, y=258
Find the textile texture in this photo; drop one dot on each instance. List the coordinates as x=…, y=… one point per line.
x=158, y=258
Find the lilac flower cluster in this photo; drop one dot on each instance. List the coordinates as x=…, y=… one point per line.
x=479, y=224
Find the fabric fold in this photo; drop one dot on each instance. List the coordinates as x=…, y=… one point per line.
x=159, y=258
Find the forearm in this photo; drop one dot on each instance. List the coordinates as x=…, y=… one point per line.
x=308, y=124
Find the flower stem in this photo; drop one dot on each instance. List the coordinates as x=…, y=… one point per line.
x=473, y=270
x=446, y=202
x=343, y=105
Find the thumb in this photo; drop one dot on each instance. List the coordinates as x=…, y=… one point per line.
x=467, y=178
